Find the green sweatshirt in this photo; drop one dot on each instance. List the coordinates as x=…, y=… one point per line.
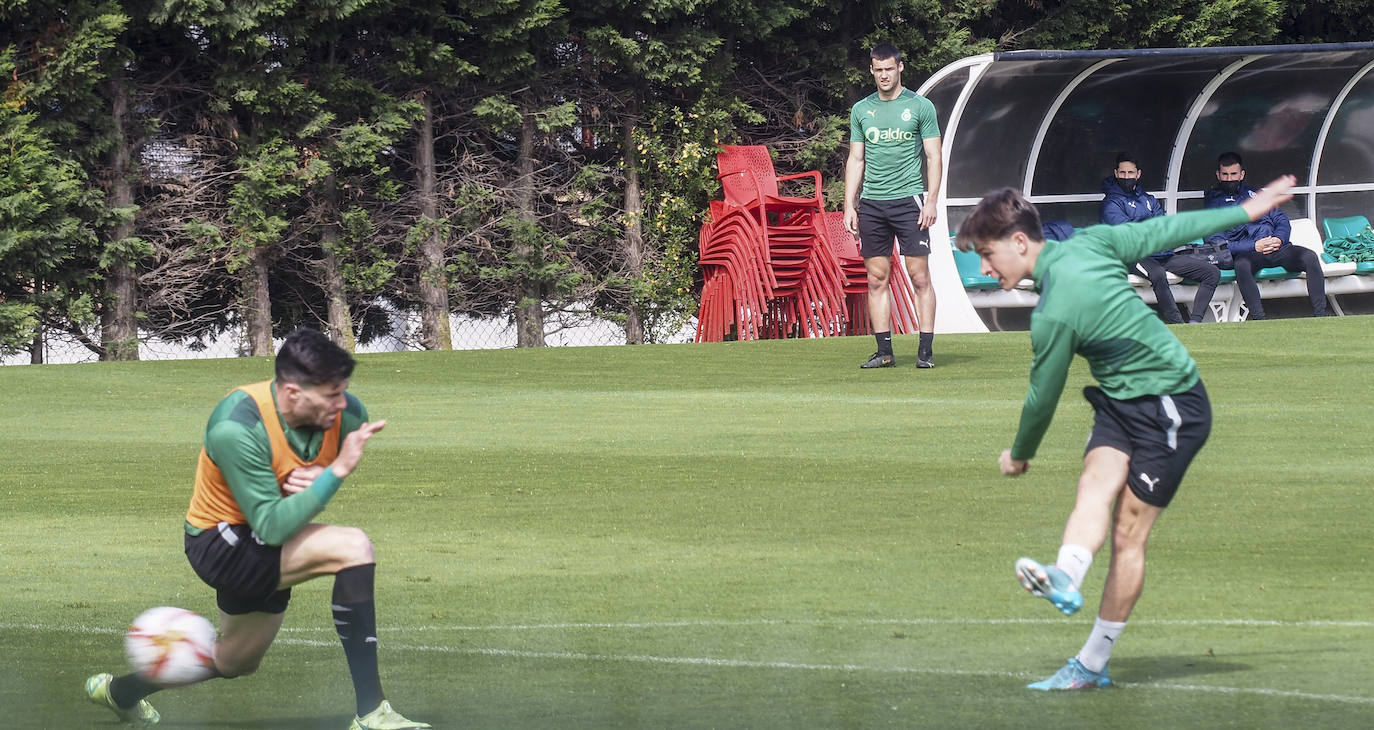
x=1088, y=307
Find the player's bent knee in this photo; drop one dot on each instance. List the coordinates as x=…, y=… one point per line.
x=1131, y=533
x=1129, y=538
x=353, y=547
x=242, y=667
x=225, y=673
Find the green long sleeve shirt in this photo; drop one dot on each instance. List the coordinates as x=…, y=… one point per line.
x=1088, y=307
x=236, y=440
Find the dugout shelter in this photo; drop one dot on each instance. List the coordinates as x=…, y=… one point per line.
x=1052, y=122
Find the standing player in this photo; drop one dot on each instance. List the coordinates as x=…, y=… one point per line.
x=275, y=453
x=1152, y=412
x=883, y=197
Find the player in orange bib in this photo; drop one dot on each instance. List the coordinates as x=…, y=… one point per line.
x=275, y=453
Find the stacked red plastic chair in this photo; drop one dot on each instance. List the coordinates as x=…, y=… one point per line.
x=776, y=266
x=845, y=246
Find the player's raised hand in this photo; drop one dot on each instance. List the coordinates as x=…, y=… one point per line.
x=351, y=451
x=1270, y=196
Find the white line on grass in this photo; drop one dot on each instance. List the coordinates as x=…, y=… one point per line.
x=1262, y=691
x=807, y=666
x=754, y=664
x=690, y=661
x=708, y=623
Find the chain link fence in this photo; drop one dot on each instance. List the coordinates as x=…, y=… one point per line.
x=573, y=329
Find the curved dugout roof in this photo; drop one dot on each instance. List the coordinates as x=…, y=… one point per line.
x=1052, y=122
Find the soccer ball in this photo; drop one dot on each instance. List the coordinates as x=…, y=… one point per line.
x=171, y=647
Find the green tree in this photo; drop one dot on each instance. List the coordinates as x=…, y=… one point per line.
x=463, y=244
x=178, y=168
x=1156, y=24
x=645, y=65
x=59, y=225
x=348, y=176
x=47, y=239
x=1326, y=21
x=528, y=80
x=417, y=57
x=268, y=117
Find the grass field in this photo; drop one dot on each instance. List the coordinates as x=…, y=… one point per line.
x=747, y=535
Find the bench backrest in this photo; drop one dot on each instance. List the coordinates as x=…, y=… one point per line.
x=1350, y=225
x=1305, y=234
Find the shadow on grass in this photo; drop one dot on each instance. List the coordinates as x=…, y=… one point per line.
x=280, y=723
x=906, y=360
x=1151, y=668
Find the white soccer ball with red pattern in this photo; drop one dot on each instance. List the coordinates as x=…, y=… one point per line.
x=171, y=647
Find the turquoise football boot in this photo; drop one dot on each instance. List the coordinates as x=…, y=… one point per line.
x=1073, y=676
x=1051, y=583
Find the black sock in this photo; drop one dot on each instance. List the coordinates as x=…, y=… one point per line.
x=127, y=690
x=884, y=342
x=927, y=343
x=355, y=618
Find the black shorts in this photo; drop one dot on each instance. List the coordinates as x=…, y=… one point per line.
x=882, y=220
x=243, y=570
x=1160, y=433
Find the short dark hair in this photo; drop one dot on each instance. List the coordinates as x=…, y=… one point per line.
x=998, y=215
x=308, y=357
x=1125, y=156
x=884, y=51
x=1229, y=158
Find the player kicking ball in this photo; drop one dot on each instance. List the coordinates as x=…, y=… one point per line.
x=1152, y=412
x=274, y=454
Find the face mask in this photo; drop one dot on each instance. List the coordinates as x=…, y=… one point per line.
x=1230, y=187
x=1126, y=183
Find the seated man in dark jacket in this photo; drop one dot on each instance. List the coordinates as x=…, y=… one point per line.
x=1125, y=202
x=1057, y=230
x=1263, y=243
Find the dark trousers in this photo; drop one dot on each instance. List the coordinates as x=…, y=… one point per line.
x=1206, y=275
x=1290, y=257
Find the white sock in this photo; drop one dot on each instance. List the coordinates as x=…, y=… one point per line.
x=1098, y=648
x=1075, y=560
